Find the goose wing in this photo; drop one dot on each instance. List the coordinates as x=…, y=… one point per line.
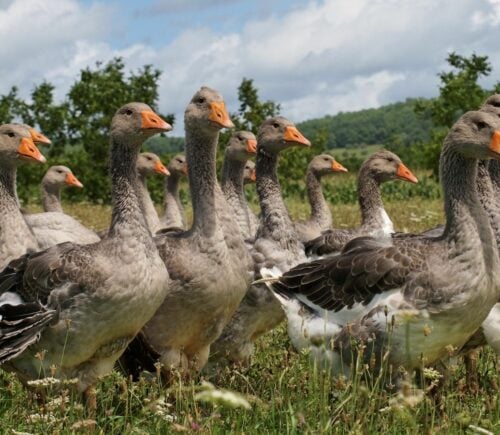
x=366, y=267
x=27, y=289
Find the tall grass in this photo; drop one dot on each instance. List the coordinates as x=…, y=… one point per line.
x=286, y=393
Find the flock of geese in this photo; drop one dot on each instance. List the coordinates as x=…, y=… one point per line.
x=148, y=290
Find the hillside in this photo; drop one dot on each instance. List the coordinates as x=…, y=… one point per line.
x=393, y=122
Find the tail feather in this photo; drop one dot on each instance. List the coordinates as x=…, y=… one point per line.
x=21, y=326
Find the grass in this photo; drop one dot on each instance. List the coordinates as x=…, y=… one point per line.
x=285, y=392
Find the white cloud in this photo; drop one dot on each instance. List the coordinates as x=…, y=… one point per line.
x=39, y=37
x=315, y=59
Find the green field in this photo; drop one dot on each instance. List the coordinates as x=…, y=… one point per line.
x=284, y=391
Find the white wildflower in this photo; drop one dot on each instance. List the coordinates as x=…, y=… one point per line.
x=221, y=397
x=45, y=382
x=36, y=418
x=432, y=374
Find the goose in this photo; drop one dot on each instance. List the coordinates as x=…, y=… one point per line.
x=241, y=146
x=423, y=295
x=379, y=168
x=276, y=246
x=249, y=173
x=321, y=217
x=174, y=216
x=206, y=285
x=52, y=228
x=54, y=179
x=81, y=304
x=16, y=148
x=147, y=165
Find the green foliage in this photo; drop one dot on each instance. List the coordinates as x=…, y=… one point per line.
x=79, y=125
x=459, y=92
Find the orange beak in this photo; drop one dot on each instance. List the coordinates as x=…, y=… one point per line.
x=152, y=122
x=71, y=180
x=292, y=134
x=403, y=173
x=185, y=169
x=253, y=175
x=251, y=146
x=28, y=150
x=337, y=167
x=495, y=142
x=219, y=115
x=39, y=138
x=161, y=169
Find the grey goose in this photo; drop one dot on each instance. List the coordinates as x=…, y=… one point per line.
x=16, y=147
x=276, y=246
x=82, y=304
x=380, y=167
x=207, y=283
x=423, y=295
x=53, y=181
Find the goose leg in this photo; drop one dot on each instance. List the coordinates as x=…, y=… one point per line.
x=90, y=399
x=471, y=376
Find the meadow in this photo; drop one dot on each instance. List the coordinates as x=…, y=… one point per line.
x=281, y=392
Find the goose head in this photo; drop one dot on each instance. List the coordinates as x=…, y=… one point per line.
x=242, y=145
x=475, y=135
x=17, y=146
x=278, y=133
x=492, y=104
x=385, y=166
x=38, y=138
x=249, y=173
x=207, y=111
x=325, y=164
x=149, y=164
x=178, y=165
x=135, y=122
x=59, y=176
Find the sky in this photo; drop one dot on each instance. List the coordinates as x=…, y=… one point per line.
x=313, y=57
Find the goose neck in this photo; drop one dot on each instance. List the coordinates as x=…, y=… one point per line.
x=201, y=148
x=232, y=178
x=152, y=219
x=275, y=217
x=488, y=197
x=320, y=212
x=172, y=201
x=51, y=197
x=370, y=199
x=467, y=224
x=127, y=216
x=8, y=190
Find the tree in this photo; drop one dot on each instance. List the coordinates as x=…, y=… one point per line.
x=459, y=92
x=79, y=125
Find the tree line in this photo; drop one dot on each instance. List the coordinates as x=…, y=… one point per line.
x=78, y=124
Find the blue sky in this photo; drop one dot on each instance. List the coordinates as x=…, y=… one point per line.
x=313, y=57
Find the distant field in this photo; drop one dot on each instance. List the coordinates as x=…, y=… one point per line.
x=285, y=392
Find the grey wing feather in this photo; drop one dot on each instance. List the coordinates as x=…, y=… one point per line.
x=365, y=267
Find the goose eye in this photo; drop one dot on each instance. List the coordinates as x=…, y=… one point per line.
x=201, y=100
x=496, y=104
x=128, y=112
x=481, y=125
x=10, y=134
x=276, y=125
